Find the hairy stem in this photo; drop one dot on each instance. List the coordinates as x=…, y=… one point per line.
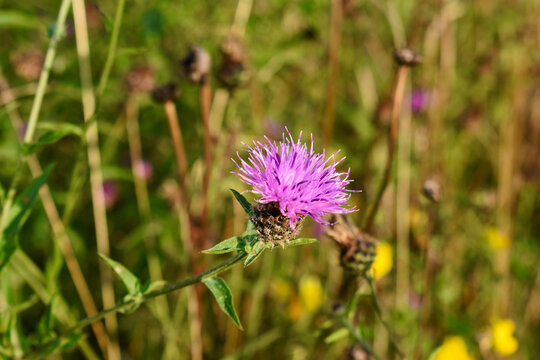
x=378, y=309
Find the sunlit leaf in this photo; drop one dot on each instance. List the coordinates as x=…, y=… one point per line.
x=223, y=296
x=337, y=335
x=131, y=282
x=300, y=241
x=231, y=244
x=13, y=18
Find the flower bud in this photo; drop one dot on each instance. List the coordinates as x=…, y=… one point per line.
x=357, y=249
x=273, y=227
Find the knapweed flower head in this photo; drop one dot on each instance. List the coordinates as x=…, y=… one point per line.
x=294, y=181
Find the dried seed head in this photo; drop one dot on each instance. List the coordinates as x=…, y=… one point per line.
x=407, y=57
x=357, y=249
x=140, y=79
x=232, y=69
x=432, y=190
x=196, y=64
x=28, y=64
x=273, y=227
x=164, y=93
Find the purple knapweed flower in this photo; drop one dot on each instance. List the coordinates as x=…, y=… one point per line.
x=420, y=100
x=296, y=180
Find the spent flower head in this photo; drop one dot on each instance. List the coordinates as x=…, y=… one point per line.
x=295, y=180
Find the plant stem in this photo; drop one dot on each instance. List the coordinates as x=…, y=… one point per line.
x=378, y=309
x=36, y=106
x=112, y=48
x=57, y=225
x=336, y=16
x=396, y=110
x=96, y=175
x=206, y=100
x=357, y=337
x=163, y=291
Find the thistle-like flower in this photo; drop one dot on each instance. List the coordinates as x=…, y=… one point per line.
x=293, y=181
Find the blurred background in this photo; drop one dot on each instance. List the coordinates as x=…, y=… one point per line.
x=458, y=225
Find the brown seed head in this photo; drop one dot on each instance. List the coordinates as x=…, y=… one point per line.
x=140, y=79
x=28, y=64
x=164, y=93
x=432, y=190
x=196, y=64
x=407, y=57
x=232, y=68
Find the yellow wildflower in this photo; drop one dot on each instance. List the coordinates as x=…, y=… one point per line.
x=502, y=332
x=384, y=260
x=497, y=239
x=281, y=289
x=311, y=293
x=295, y=309
x=453, y=348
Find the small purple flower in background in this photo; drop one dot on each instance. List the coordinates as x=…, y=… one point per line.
x=143, y=169
x=293, y=182
x=22, y=130
x=420, y=100
x=110, y=190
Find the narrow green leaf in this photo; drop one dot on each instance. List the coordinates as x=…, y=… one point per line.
x=231, y=244
x=63, y=126
x=19, y=210
x=223, y=296
x=300, y=241
x=48, y=138
x=14, y=18
x=254, y=253
x=337, y=335
x=45, y=325
x=243, y=201
x=131, y=282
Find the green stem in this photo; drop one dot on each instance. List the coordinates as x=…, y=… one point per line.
x=112, y=48
x=36, y=106
x=357, y=337
x=164, y=290
x=378, y=310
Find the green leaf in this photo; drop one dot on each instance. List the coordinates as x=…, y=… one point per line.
x=254, y=253
x=223, y=296
x=231, y=244
x=48, y=138
x=19, y=210
x=337, y=335
x=300, y=241
x=13, y=18
x=2, y=194
x=62, y=126
x=131, y=282
x=243, y=201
